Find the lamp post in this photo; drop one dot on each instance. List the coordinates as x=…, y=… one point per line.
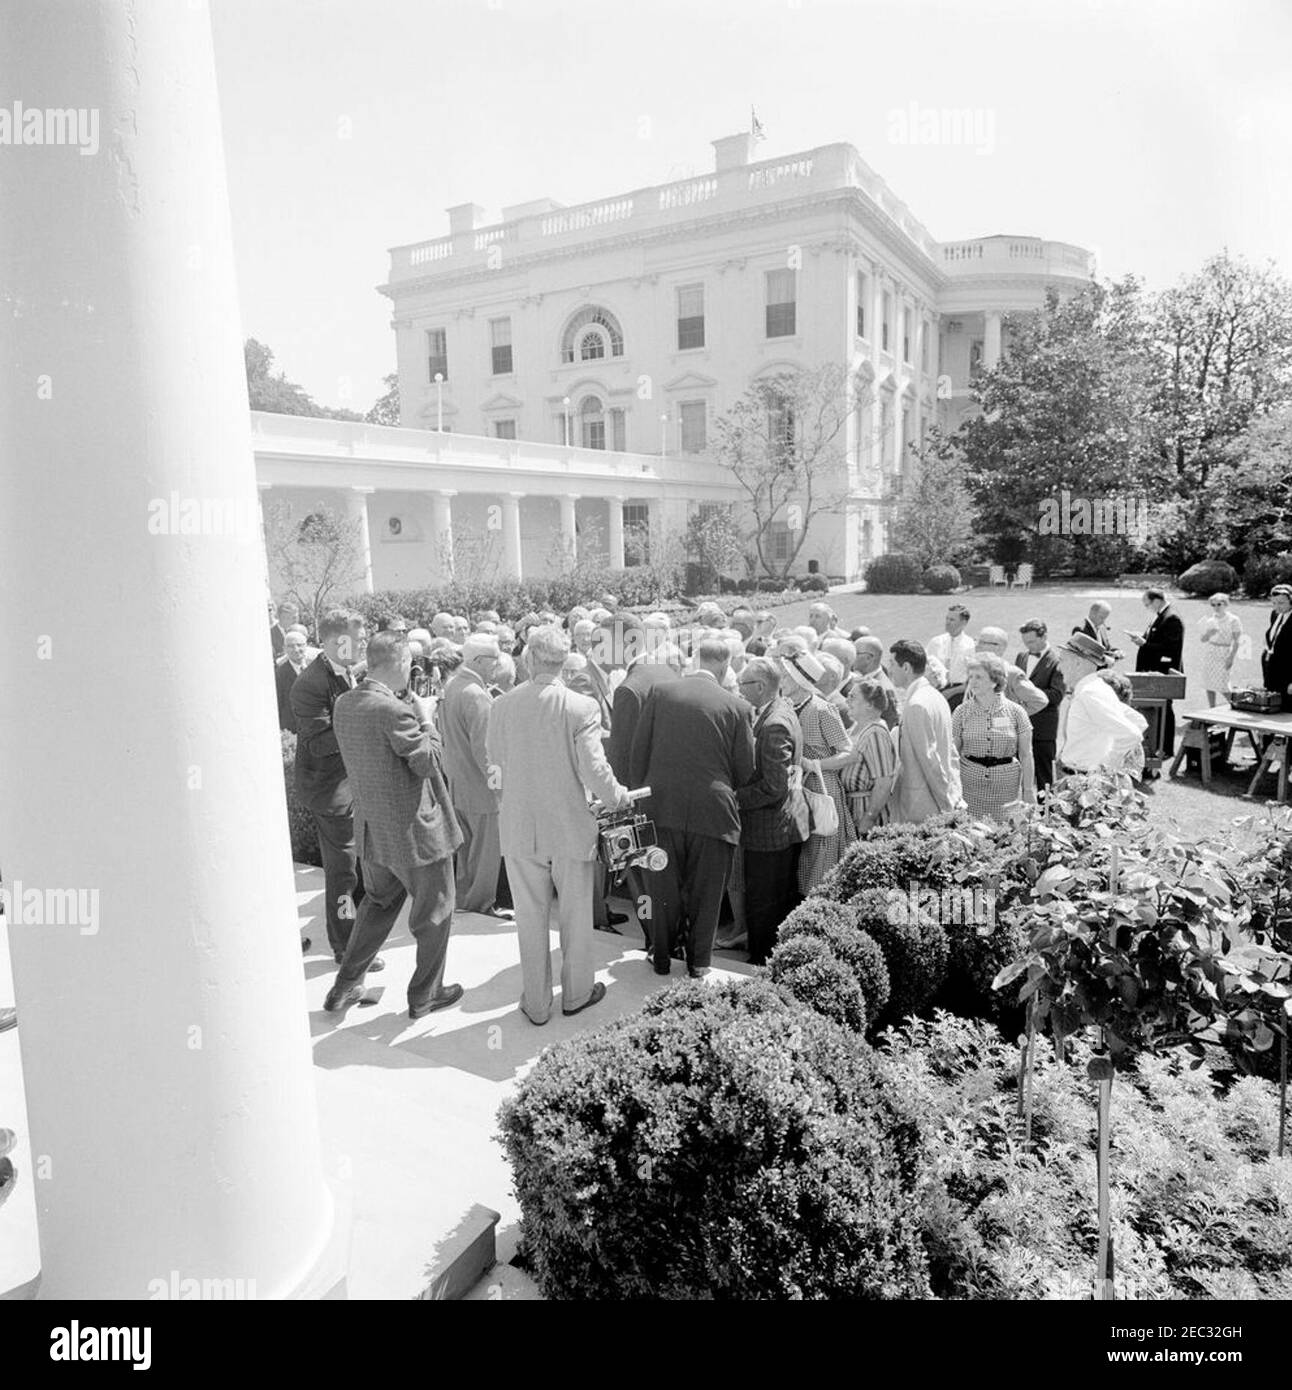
x=439, y=402
x=569, y=433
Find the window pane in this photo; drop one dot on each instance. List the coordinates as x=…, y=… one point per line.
x=502, y=360
x=861, y=305
x=690, y=302
x=437, y=347
x=690, y=333
x=504, y=429
x=692, y=415
x=617, y=430
x=780, y=287
x=501, y=330
x=780, y=320
x=594, y=434
x=592, y=347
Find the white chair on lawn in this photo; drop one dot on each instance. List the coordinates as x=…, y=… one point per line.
x=997, y=575
x=1023, y=577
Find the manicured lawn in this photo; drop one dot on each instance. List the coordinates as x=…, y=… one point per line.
x=1184, y=803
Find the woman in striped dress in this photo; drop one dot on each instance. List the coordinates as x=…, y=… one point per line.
x=993, y=736
x=868, y=773
x=823, y=737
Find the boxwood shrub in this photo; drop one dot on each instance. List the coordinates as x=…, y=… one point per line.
x=941, y=579
x=725, y=1143
x=836, y=926
x=893, y=574
x=1209, y=577
x=807, y=967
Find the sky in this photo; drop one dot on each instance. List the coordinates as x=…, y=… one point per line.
x=1154, y=132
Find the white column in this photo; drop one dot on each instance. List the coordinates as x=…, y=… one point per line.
x=165, y=1035
x=569, y=532
x=877, y=322
x=899, y=443
x=991, y=340
x=357, y=510
x=442, y=530
x=511, y=535
x=616, y=507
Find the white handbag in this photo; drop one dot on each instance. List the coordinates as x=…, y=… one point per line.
x=821, y=807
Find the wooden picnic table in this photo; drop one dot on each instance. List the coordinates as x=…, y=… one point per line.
x=1270, y=734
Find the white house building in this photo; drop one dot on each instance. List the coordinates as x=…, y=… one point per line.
x=629, y=325
x=560, y=371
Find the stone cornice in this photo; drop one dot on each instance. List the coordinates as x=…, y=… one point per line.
x=853, y=199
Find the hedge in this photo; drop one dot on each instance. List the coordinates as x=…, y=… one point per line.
x=1209, y=577
x=837, y=928
x=941, y=579
x=893, y=573
x=725, y=1143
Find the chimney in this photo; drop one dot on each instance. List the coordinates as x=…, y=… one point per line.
x=732, y=151
x=466, y=217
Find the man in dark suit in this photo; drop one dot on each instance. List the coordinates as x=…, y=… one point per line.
x=1161, y=649
x=321, y=782
x=773, y=809
x=1096, y=627
x=295, y=658
x=693, y=747
x=1040, y=664
x=405, y=827
x=1276, y=657
x=660, y=662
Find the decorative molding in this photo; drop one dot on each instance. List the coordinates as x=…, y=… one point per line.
x=502, y=402
x=691, y=381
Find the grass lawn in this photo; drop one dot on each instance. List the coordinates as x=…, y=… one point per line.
x=1182, y=804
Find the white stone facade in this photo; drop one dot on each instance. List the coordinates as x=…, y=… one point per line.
x=581, y=324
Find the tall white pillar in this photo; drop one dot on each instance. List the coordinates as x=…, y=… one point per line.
x=569, y=531
x=877, y=329
x=164, y=1033
x=356, y=502
x=442, y=530
x=511, y=535
x=616, y=506
x=991, y=340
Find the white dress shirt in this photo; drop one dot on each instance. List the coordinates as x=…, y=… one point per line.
x=953, y=653
x=1101, y=731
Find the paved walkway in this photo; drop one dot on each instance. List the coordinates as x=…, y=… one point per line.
x=407, y=1110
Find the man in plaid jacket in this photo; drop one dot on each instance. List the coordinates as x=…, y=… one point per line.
x=405, y=828
x=773, y=809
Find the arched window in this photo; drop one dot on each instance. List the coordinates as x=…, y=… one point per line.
x=593, y=421
x=604, y=332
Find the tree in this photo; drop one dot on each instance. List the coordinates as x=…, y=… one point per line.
x=1251, y=489
x=783, y=442
x=318, y=559
x=386, y=409
x=271, y=391
x=932, y=522
x=1066, y=408
x=714, y=543
x=1223, y=346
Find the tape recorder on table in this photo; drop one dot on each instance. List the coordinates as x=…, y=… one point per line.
x=626, y=839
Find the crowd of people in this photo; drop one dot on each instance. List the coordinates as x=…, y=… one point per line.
x=460, y=764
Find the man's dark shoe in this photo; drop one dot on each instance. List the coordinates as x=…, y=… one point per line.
x=306, y=943
x=442, y=999
x=339, y=998
x=697, y=972
x=597, y=995
x=377, y=962
x=665, y=969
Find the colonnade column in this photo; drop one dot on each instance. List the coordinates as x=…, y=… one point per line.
x=991, y=340
x=442, y=530
x=511, y=535
x=616, y=539
x=357, y=510
x=569, y=530
x=163, y=1022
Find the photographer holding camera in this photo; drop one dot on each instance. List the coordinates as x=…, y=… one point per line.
x=545, y=742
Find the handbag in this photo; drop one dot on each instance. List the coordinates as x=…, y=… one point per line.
x=823, y=813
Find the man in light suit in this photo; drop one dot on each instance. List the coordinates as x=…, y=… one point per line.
x=545, y=742
x=928, y=780
x=464, y=722
x=693, y=746
x=404, y=827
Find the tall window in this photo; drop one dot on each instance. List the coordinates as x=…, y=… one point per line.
x=781, y=295
x=593, y=333
x=906, y=335
x=782, y=539
x=636, y=533
x=780, y=423
x=888, y=318
x=500, y=332
x=504, y=429
x=617, y=430
x=593, y=422
x=437, y=349
x=863, y=289
x=692, y=416
x=690, y=317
